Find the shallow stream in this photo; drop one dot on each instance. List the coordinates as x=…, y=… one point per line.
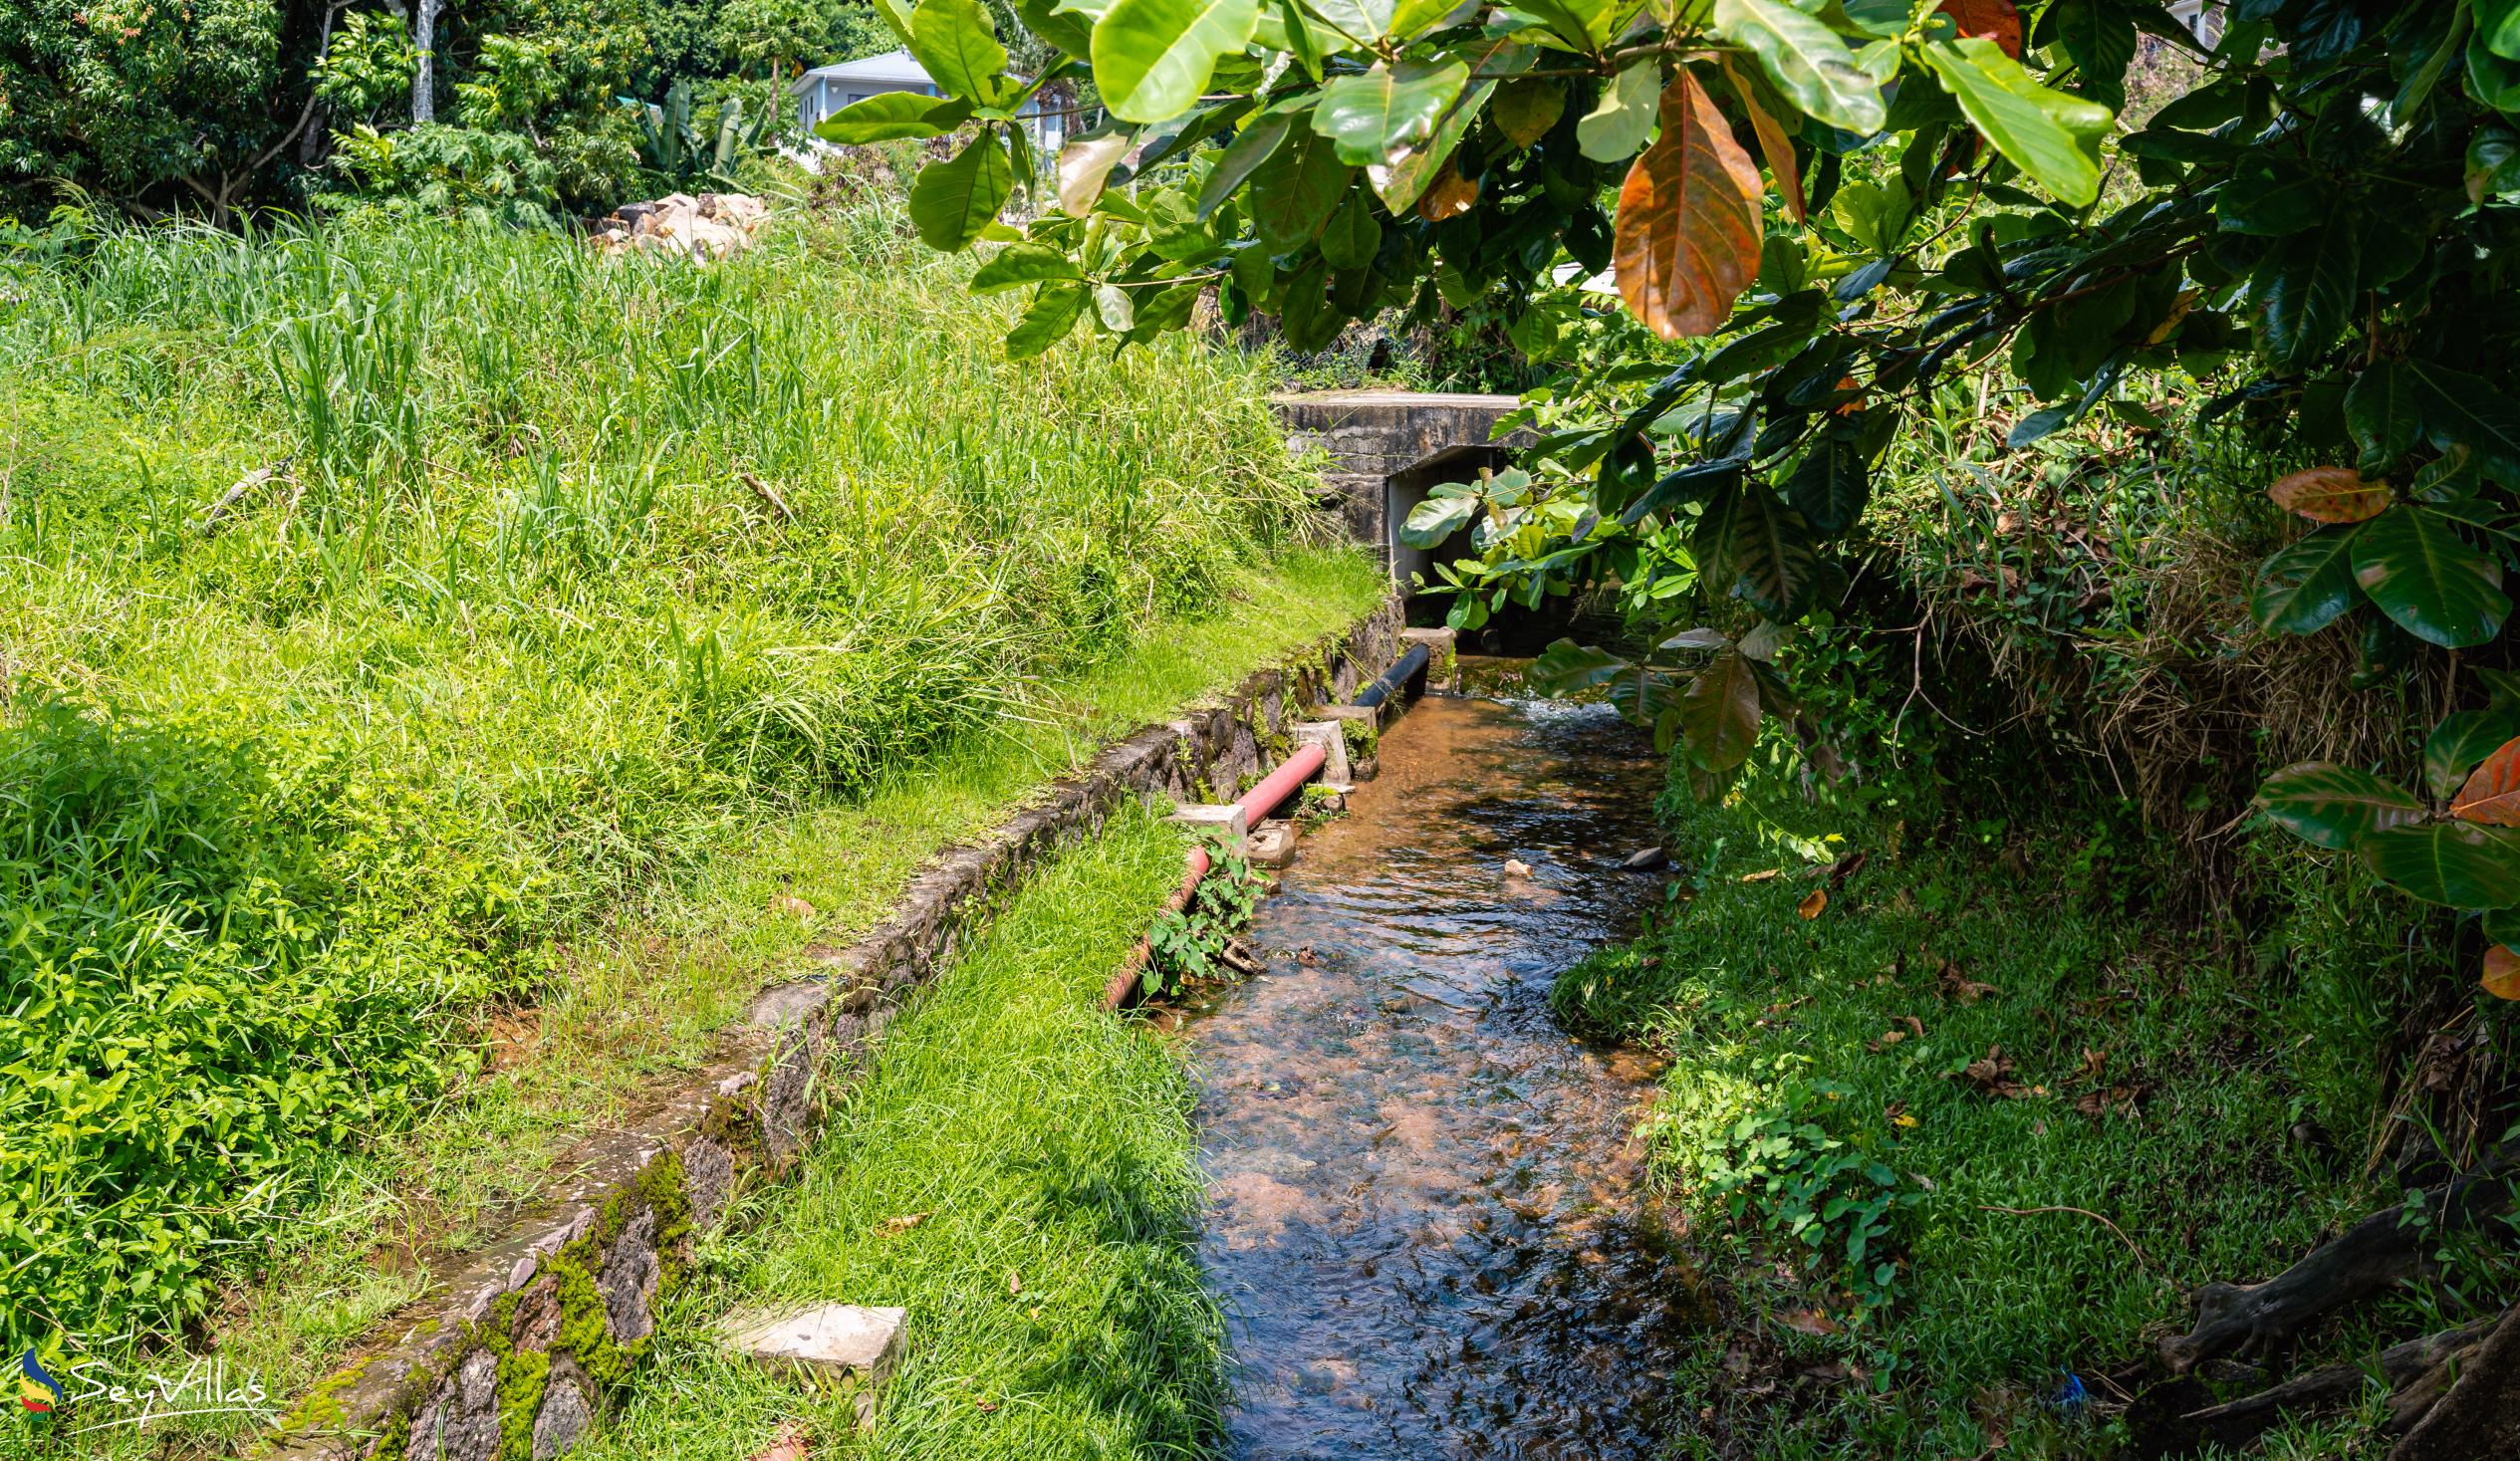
x=1423, y=1214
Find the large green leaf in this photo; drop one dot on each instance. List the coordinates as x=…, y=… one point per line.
x=1565, y=668
x=2331, y=804
x=1152, y=58
x=2427, y=580
x=1401, y=185
x=1619, y=123
x=2459, y=409
x=1439, y=518
x=1375, y=118
x=1052, y=315
x=1808, y=64
x=1361, y=21
x=2380, y=409
x=1259, y=138
x=957, y=198
x=2274, y=195
x=2305, y=290
x=2455, y=864
x=1354, y=234
x=1831, y=483
x=955, y=43
x=1719, y=712
x=1021, y=264
x=1751, y=544
x=886, y=115
x=1069, y=30
x=2464, y=738
x=2498, y=26
x=2099, y=35
x=1295, y=191
x=2052, y=137
x=2303, y=589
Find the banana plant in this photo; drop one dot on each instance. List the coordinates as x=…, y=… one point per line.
x=676, y=150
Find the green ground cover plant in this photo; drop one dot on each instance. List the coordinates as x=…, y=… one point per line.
x=566, y=579
x=1961, y=1129
x=1019, y=1173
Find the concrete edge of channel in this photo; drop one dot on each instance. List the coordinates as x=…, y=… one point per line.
x=520, y=1349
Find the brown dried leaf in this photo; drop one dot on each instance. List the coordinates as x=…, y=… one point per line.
x=1963, y=990
x=2492, y=791
x=1688, y=237
x=1448, y=194
x=1813, y=903
x=2331, y=495
x=1988, y=20
x=1808, y=1322
x=1762, y=875
x=2502, y=972
x=1774, y=145
x=790, y=906
x=907, y=1221
x=1014, y=1283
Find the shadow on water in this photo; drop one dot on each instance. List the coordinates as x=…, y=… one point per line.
x=1423, y=1211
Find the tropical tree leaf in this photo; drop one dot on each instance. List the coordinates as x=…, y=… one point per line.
x=1437, y=518
x=1258, y=141
x=1831, y=483
x=1400, y=183
x=892, y=115
x=955, y=43
x=1083, y=165
x=1719, y=712
x=1754, y=547
x=2303, y=587
x=2380, y=409
x=2303, y=290
x=2052, y=137
x=2459, y=865
x=1686, y=242
x=1354, y=234
x=1152, y=58
x=954, y=200
x=1047, y=321
x=1296, y=190
x=2329, y=804
x=1566, y=667
x=2427, y=580
x=1624, y=117
x=1809, y=66
x=2463, y=739
x=2459, y=409
x=2330, y=495
x=1774, y=145
x=2491, y=793
x=1525, y=109
x=1019, y=264
x=2273, y=194
x=1379, y=115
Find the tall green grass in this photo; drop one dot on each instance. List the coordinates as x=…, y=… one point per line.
x=511, y=640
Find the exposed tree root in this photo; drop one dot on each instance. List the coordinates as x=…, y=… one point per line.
x=2376, y=1252
x=2237, y=1423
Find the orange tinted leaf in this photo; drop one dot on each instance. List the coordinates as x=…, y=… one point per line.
x=1687, y=239
x=1808, y=1322
x=1774, y=145
x=2492, y=791
x=1448, y=194
x=1988, y=20
x=2331, y=495
x=1810, y=907
x=2502, y=972
x=1762, y=875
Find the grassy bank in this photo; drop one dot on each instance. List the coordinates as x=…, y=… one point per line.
x=1959, y=1129
x=1018, y=1173
x=589, y=606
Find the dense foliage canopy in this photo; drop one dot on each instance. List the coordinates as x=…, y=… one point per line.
x=1850, y=203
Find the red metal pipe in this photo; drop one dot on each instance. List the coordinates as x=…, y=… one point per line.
x=1125, y=983
x=1280, y=784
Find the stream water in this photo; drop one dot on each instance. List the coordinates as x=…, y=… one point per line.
x=1423, y=1214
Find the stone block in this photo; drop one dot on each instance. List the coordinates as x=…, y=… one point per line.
x=1230, y=819
x=829, y=1343
x=1443, y=665
x=1330, y=736
x=1272, y=844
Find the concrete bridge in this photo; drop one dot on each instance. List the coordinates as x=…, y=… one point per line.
x=1388, y=449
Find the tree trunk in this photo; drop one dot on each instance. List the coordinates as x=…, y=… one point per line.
x=425, y=75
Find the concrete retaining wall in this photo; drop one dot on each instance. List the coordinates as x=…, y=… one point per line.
x=519, y=1350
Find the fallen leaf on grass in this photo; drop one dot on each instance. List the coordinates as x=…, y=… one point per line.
x=1993, y=1075
x=2502, y=972
x=792, y=905
x=1762, y=875
x=1960, y=989
x=1808, y=1322
x=787, y=1446
x=1014, y=1283
x=907, y=1221
x=1813, y=906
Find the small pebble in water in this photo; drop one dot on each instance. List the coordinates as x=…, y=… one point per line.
x=1517, y=868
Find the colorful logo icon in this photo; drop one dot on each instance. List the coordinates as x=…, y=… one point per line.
x=37, y=1391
